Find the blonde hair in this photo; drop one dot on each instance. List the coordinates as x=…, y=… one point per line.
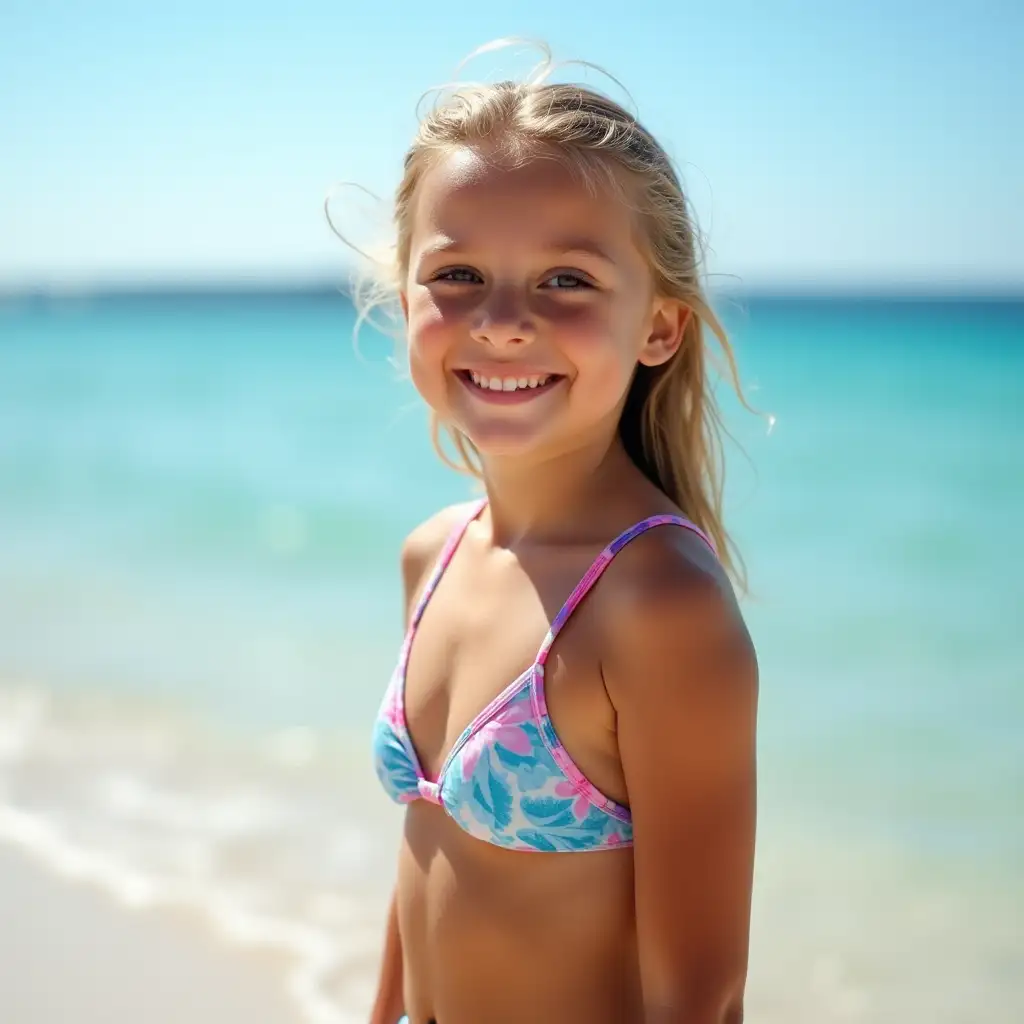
x=670, y=426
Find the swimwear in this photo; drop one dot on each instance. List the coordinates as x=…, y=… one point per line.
x=508, y=780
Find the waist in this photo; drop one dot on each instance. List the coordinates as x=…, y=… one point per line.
x=474, y=918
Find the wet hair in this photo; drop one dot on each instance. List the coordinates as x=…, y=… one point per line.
x=670, y=426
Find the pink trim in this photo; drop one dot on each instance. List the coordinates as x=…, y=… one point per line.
x=436, y=573
x=582, y=784
x=572, y=772
x=603, y=560
x=447, y=552
x=505, y=697
x=430, y=791
x=534, y=675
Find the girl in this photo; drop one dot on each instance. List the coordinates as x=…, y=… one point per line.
x=572, y=720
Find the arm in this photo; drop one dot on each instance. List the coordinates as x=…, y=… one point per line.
x=389, y=1005
x=419, y=552
x=682, y=676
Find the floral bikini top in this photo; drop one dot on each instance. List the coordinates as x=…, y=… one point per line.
x=508, y=780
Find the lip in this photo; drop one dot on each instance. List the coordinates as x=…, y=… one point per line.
x=517, y=397
x=506, y=370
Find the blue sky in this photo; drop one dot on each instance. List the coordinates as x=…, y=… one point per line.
x=840, y=143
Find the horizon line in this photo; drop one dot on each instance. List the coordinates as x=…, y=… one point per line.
x=322, y=285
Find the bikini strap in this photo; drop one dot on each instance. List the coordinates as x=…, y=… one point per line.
x=603, y=560
x=443, y=559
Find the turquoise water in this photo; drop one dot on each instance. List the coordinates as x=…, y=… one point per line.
x=202, y=499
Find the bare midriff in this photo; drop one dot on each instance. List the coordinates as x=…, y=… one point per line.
x=500, y=936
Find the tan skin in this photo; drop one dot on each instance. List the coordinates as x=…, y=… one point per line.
x=652, y=685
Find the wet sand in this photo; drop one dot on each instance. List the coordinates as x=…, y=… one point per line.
x=70, y=953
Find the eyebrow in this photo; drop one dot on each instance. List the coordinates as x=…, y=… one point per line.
x=565, y=247
x=582, y=246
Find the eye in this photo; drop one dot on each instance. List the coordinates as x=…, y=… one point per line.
x=565, y=281
x=457, y=275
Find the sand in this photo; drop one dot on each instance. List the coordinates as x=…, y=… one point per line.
x=72, y=954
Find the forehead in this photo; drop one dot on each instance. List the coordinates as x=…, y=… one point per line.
x=467, y=198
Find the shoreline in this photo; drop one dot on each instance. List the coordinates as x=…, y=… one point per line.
x=148, y=875
x=152, y=869
x=70, y=949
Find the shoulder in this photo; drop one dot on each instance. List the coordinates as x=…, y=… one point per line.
x=673, y=626
x=680, y=670
x=423, y=545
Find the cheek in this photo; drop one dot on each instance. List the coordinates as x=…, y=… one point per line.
x=428, y=342
x=603, y=350
x=427, y=327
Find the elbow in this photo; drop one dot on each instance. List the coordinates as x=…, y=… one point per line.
x=687, y=987
x=732, y=1013
x=720, y=1006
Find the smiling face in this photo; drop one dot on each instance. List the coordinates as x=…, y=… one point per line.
x=529, y=305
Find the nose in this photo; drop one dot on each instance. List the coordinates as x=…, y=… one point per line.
x=503, y=319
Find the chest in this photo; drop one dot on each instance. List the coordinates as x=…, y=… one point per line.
x=481, y=630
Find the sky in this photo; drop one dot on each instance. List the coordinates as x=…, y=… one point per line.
x=870, y=144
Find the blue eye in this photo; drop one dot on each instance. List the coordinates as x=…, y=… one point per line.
x=457, y=275
x=568, y=282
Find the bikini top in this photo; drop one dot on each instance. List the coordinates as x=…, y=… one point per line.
x=508, y=780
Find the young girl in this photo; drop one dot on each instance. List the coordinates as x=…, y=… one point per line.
x=572, y=720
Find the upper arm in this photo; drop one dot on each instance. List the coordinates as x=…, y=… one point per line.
x=682, y=675
x=420, y=551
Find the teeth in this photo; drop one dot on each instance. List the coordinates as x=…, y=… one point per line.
x=507, y=383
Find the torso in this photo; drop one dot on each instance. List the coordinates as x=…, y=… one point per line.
x=491, y=934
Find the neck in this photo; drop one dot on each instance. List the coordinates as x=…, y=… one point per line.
x=545, y=500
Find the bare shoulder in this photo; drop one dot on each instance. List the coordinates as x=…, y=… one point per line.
x=421, y=547
x=671, y=614
x=680, y=670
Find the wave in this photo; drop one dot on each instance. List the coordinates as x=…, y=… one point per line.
x=267, y=841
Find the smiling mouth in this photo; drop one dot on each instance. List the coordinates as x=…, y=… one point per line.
x=493, y=386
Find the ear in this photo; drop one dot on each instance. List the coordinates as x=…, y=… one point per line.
x=668, y=322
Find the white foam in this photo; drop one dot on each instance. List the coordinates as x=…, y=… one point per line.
x=253, y=852
x=278, y=847
x=316, y=953
x=293, y=747
x=22, y=715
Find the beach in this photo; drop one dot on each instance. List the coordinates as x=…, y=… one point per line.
x=204, y=499
x=145, y=858
x=141, y=908
x=73, y=953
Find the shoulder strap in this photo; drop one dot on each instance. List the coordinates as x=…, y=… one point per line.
x=603, y=560
x=443, y=559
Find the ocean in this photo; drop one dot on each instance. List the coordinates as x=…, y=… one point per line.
x=202, y=498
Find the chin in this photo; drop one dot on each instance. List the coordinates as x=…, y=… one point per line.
x=505, y=441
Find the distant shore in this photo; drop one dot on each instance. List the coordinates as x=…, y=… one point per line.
x=335, y=284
